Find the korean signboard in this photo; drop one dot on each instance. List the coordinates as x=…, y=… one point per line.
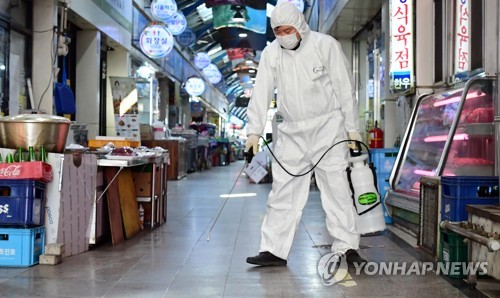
x=163, y=9
x=202, y=60
x=186, y=38
x=212, y=73
x=194, y=86
x=177, y=23
x=401, y=44
x=462, y=36
x=156, y=41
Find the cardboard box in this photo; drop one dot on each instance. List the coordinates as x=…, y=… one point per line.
x=69, y=201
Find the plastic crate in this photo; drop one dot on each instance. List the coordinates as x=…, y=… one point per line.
x=458, y=191
x=21, y=247
x=384, y=159
x=453, y=209
x=470, y=186
x=22, y=202
x=453, y=251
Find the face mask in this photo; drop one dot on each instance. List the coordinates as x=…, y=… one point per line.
x=289, y=41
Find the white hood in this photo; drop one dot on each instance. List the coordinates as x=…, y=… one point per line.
x=286, y=14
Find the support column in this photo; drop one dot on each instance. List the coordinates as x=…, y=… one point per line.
x=44, y=18
x=88, y=51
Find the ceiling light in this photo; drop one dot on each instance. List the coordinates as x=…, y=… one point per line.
x=214, y=50
x=239, y=195
x=243, y=35
x=251, y=71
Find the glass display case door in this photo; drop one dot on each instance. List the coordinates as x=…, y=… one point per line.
x=451, y=134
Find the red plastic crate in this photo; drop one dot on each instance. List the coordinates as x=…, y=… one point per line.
x=32, y=170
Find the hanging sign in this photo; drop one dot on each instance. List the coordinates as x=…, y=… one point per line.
x=462, y=36
x=156, y=41
x=212, y=74
x=298, y=3
x=186, y=38
x=194, y=86
x=202, y=60
x=401, y=45
x=176, y=23
x=163, y=9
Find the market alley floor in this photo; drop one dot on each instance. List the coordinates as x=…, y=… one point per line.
x=176, y=260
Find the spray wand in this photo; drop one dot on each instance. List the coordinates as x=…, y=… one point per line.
x=248, y=157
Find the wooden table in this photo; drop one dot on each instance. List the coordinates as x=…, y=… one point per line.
x=121, y=194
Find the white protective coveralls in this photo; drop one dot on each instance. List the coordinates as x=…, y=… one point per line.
x=316, y=99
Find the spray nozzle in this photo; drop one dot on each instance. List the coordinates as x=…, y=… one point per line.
x=249, y=155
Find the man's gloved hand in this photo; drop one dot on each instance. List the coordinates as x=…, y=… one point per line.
x=252, y=142
x=355, y=136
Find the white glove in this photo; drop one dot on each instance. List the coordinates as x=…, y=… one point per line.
x=355, y=136
x=252, y=142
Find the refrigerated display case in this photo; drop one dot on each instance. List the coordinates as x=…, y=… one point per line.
x=451, y=133
x=147, y=100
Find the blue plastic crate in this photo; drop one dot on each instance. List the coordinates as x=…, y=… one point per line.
x=22, y=202
x=383, y=159
x=453, y=208
x=470, y=186
x=21, y=247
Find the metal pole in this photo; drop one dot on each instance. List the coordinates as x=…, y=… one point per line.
x=493, y=245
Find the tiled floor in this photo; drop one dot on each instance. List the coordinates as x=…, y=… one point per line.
x=176, y=260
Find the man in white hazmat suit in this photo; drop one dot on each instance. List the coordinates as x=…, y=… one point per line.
x=317, y=102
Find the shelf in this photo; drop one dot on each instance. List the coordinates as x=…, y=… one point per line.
x=479, y=129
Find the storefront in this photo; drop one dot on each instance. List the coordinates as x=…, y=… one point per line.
x=15, y=55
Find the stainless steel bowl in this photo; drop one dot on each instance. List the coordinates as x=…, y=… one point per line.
x=34, y=130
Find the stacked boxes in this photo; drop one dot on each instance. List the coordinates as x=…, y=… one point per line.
x=22, y=211
x=383, y=160
x=22, y=234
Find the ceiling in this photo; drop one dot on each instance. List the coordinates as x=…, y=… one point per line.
x=238, y=73
x=353, y=17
